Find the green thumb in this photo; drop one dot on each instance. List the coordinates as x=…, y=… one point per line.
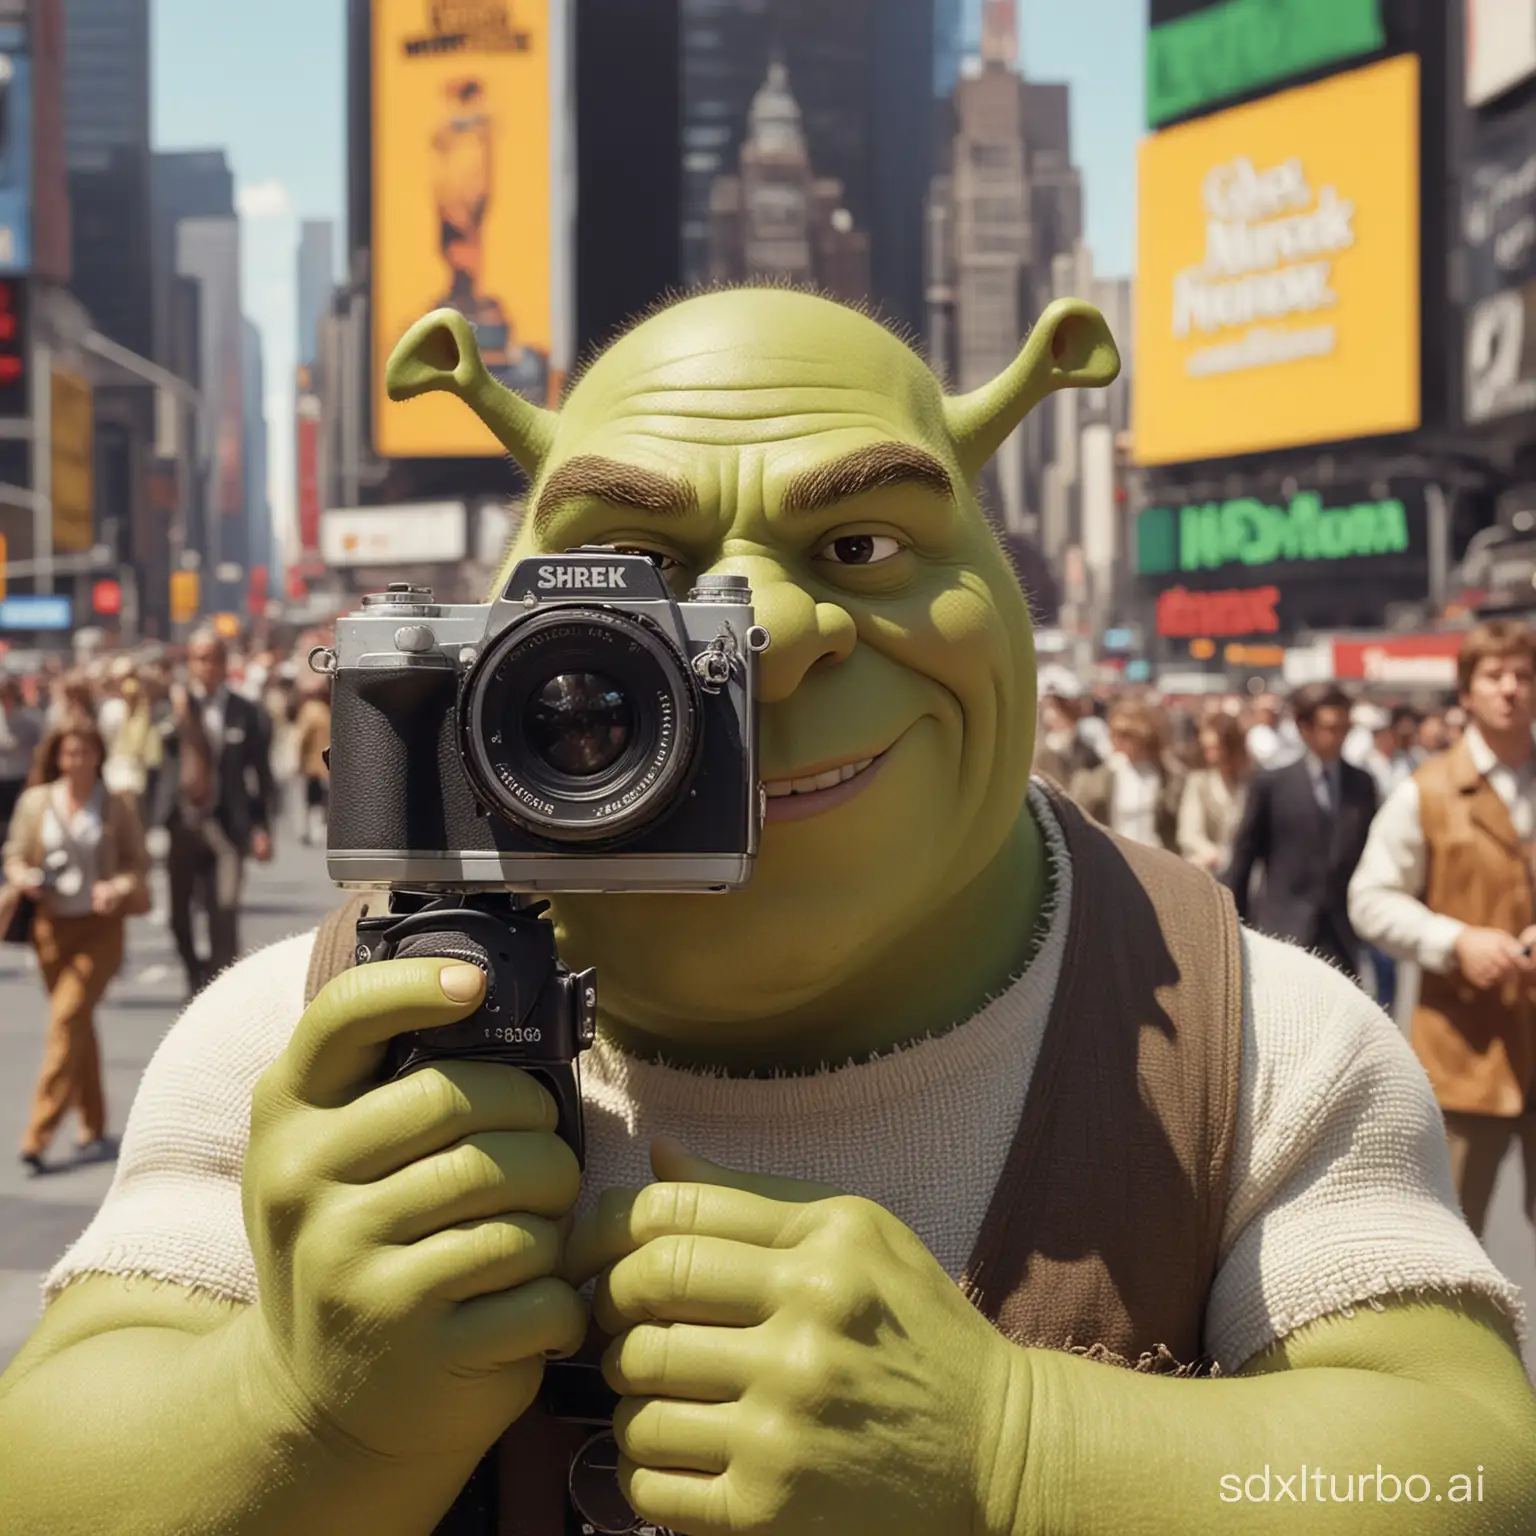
x=673, y=1163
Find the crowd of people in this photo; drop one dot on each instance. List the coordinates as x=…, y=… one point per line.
x=1371, y=832
x=187, y=756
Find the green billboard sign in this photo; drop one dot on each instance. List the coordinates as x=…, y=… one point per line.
x=1246, y=531
x=1239, y=46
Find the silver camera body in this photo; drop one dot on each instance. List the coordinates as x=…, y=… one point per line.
x=586, y=731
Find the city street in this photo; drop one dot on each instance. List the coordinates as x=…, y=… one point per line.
x=39, y=1218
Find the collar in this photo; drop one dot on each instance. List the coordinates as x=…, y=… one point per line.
x=1483, y=758
x=1318, y=769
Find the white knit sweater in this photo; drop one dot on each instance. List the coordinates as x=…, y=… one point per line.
x=1341, y=1188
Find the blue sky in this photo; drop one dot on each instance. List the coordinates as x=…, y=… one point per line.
x=267, y=82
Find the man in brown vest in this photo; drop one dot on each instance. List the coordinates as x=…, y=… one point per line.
x=1446, y=881
x=1048, y=1111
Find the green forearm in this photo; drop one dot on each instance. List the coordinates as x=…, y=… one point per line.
x=150, y=1432
x=1112, y=1451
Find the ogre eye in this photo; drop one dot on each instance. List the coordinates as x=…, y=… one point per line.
x=666, y=564
x=862, y=549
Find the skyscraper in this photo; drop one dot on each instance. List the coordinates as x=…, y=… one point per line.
x=208, y=249
x=184, y=184
x=1008, y=201
x=259, y=551
x=317, y=268
x=777, y=218
x=861, y=73
x=107, y=156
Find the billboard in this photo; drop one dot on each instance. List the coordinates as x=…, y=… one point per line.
x=1229, y=49
x=471, y=206
x=1277, y=287
x=15, y=156
x=72, y=425
x=1501, y=47
x=424, y=533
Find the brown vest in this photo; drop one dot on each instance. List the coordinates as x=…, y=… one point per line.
x=1103, y=1230
x=1479, y=1048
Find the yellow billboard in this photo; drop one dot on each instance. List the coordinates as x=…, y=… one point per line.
x=72, y=425
x=468, y=210
x=1277, y=277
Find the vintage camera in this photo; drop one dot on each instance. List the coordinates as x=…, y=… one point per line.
x=586, y=731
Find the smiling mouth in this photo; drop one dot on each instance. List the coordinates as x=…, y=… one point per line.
x=795, y=799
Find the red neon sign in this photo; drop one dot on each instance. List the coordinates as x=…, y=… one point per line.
x=1183, y=615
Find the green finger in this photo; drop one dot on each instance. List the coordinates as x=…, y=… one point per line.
x=543, y=1319
x=684, y=1437
x=494, y=1174
x=400, y=1123
x=689, y=1279
x=339, y=1043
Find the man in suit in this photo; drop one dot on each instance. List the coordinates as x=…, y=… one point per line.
x=1305, y=827
x=213, y=797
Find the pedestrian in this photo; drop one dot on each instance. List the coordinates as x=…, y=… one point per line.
x=1302, y=832
x=213, y=799
x=72, y=694
x=1272, y=739
x=312, y=729
x=1137, y=790
x=1446, y=882
x=136, y=751
x=21, y=733
x=1214, y=795
x=1434, y=736
x=1061, y=749
x=76, y=853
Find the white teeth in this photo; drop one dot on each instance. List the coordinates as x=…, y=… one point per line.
x=779, y=788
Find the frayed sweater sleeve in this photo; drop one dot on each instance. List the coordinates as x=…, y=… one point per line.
x=173, y=1212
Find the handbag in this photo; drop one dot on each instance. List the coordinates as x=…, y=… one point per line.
x=17, y=910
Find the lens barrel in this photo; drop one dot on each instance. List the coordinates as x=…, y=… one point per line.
x=580, y=725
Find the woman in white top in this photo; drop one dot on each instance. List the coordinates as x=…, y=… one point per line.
x=1136, y=792
x=74, y=855
x=1212, y=805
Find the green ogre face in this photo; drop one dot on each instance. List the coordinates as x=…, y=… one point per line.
x=783, y=438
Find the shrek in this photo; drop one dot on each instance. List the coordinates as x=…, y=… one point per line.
x=970, y=1171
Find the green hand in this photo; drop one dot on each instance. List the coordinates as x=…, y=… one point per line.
x=404, y=1235
x=792, y=1360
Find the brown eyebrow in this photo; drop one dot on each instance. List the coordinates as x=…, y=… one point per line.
x=875, y=468
x=588, y=477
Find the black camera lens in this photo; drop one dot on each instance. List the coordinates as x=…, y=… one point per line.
x=580, y=723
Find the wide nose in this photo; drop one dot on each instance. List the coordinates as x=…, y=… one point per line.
x=806, y=634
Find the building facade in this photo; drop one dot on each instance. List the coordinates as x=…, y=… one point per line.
x=776, y=218
x=316, y=280
x=107, y=147
x=857, y=71
x=1005, y=203
x=208, y=250
x=260, y=558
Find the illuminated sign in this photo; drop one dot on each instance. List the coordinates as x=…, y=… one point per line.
x=1246, y=531
x=470, y=205
x=74, y=480
x=1277, y=286
x=53, y=613
x=1230, y=49
x=1182, y=614
x=1262, y=656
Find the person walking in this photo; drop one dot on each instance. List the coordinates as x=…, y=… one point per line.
x=213, y=798
x=312, y=730
x=76, y=853
x=1302, y=831
x=1446, y=881
x=1136, y=791
x=21, y=733
x=1214, y=795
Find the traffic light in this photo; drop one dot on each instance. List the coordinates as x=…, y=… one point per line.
x=186, y=596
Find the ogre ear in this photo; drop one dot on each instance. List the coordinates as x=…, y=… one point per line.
x=1070, y=348
x=439, y=352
